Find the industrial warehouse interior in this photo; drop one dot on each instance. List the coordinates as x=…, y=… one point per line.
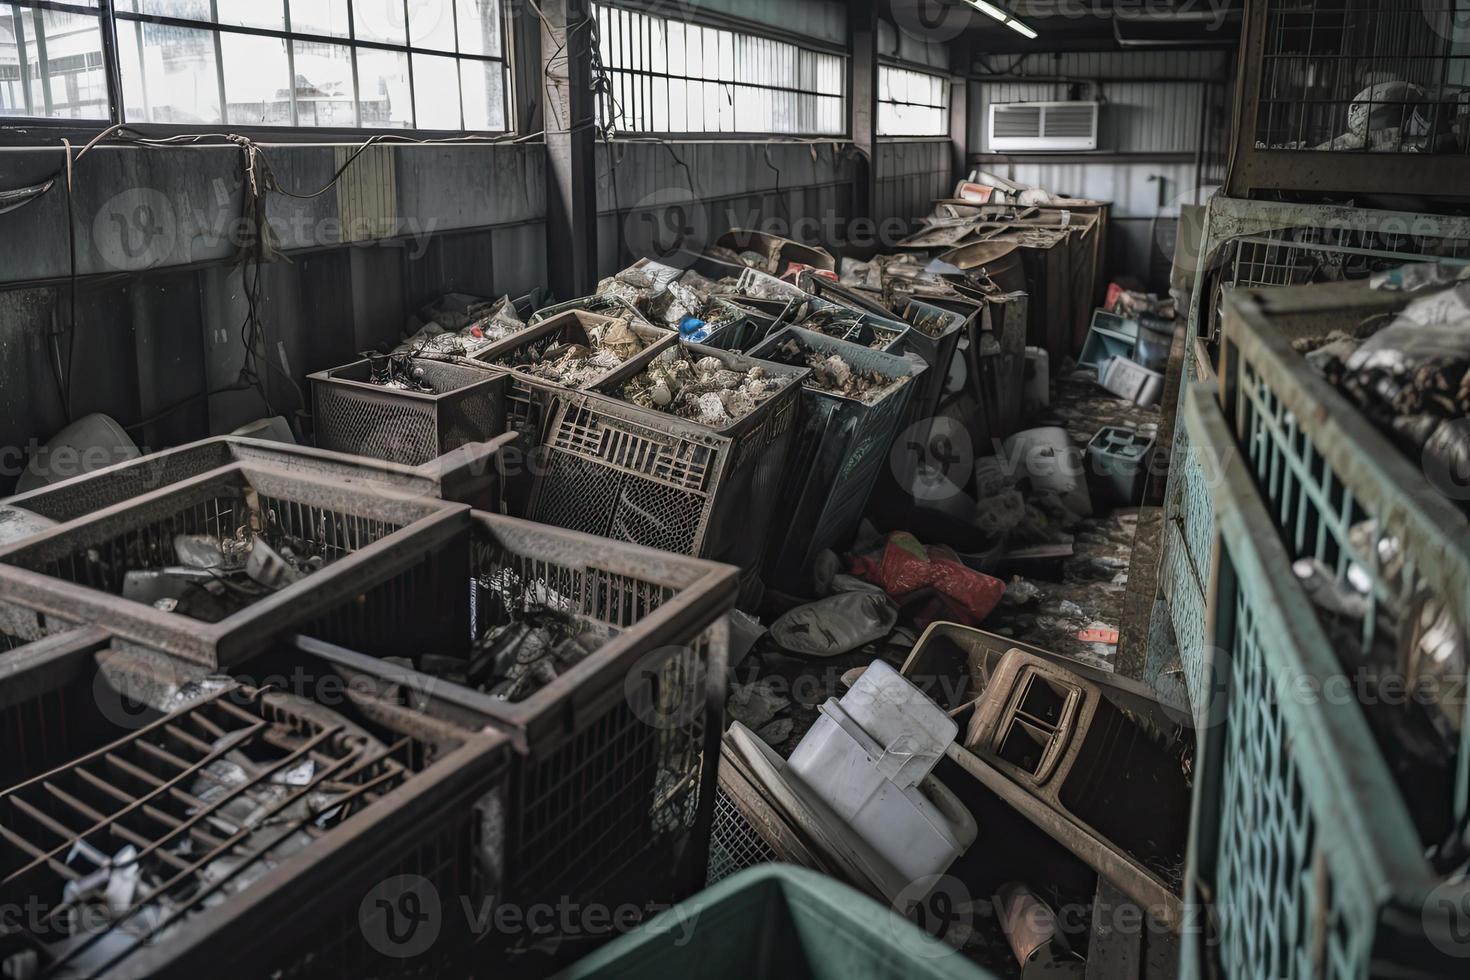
x=637, y=489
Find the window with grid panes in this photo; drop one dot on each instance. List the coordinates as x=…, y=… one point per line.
x=912, y=103
x=671, y=76
x=341, y=64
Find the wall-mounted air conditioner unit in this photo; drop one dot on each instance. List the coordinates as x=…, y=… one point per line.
x=1043, y=126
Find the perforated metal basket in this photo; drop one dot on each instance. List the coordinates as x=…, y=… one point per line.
x=1303, y=855
x=841, y=446
x=76, y=570
x=121, y=774
x=612, y=786
x=410, y=427
x=634, y=474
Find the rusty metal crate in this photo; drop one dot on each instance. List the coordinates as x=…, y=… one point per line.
x=76, y=570
x=160, y=780
x=1317, y=111
x=353, y=415
x=45, y=718
x=620, y=471
x=1304, y=859
x=840, y=449
x=612, y=785
x=468, y=475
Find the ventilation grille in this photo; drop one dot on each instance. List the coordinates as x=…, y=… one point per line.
x=1020, y=126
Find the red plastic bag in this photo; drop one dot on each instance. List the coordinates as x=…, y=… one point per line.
x=906, y=570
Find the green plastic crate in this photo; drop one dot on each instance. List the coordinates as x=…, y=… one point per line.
x=781, y=923
x=1302, y=852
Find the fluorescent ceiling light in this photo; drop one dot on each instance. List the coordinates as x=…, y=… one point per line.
x=991, y=10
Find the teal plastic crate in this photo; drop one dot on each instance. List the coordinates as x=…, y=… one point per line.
x=782, y=923
x=1302, y=853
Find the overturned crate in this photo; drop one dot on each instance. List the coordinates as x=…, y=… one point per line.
x=196, y=825
x=842, y=444
x=1303, y=847
x=613, y=780
x=622, y=471
x=356, y=415
x=348, y=540
x=468, y=475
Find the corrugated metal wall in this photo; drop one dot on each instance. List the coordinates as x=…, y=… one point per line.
x=1156, y=105
x=911, y=174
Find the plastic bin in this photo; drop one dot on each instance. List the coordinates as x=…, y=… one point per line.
x=410, y=427
x=1301, y=841
x=1120, y=462
x=467, y=475
x=613, y=780
x=840, y=449
x=76, y=571
x=778, y=922
x=617, y=470
x=412, y=799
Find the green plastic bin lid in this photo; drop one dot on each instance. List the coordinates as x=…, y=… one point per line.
x=780, y=922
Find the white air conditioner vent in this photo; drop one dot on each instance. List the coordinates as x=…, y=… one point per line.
x=1042, y=126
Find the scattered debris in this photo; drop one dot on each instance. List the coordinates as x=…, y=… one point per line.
x=837, y=624
x=703, y=390
x=832, y=373
x=461, y=326
x=399, y=372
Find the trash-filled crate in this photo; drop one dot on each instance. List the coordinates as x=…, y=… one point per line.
x=852, y=405
x=1333, y=98
x=842, y=320
x=683, y=449
x=407, y=409
x=208, y=568
x=185, y=823
x=468, y=475
x=1304, y=843
x=605, y=662
x=778, y=921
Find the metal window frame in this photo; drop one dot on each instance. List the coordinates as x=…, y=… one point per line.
x=647, y=76
x=110, y=17
x=944, y=88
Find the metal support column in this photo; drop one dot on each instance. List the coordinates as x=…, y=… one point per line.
x=862, y=35
x=569, y=117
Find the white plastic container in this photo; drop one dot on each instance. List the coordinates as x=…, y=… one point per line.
x=909, y=730
x=1036, y=392
x=919, y=829
x=1130, y=380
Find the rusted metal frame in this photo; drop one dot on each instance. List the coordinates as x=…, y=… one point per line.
x=43, y=666
x=428, y=524
x=1363, y=847
x=324, y=878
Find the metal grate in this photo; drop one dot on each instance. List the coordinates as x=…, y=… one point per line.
x=355, y=416
x=195, y=806
x=734, y=844
x=1365, y=76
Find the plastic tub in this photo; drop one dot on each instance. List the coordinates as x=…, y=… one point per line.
x=778, y=922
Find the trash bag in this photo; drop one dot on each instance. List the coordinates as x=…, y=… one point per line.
x=907, y=571
x=837, y=624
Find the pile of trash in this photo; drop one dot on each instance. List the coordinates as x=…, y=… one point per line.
x=706, y=390
x=515, y=659
x=1411, y=378
x=845, y=324
x=459, y=325
x=834, y=374
x=400, y=372
x=216, y=576
x=610, y=343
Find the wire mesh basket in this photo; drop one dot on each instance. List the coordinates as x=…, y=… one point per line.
x=354, y=415
x=1328, y=90
x=612, y=786
x=346, y=539
x=841, y=445
x=1302, y=848
x=206, y=826
x=467, y=475
x=617, y=470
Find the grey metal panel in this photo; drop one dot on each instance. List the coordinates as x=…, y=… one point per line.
x=823, y=20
